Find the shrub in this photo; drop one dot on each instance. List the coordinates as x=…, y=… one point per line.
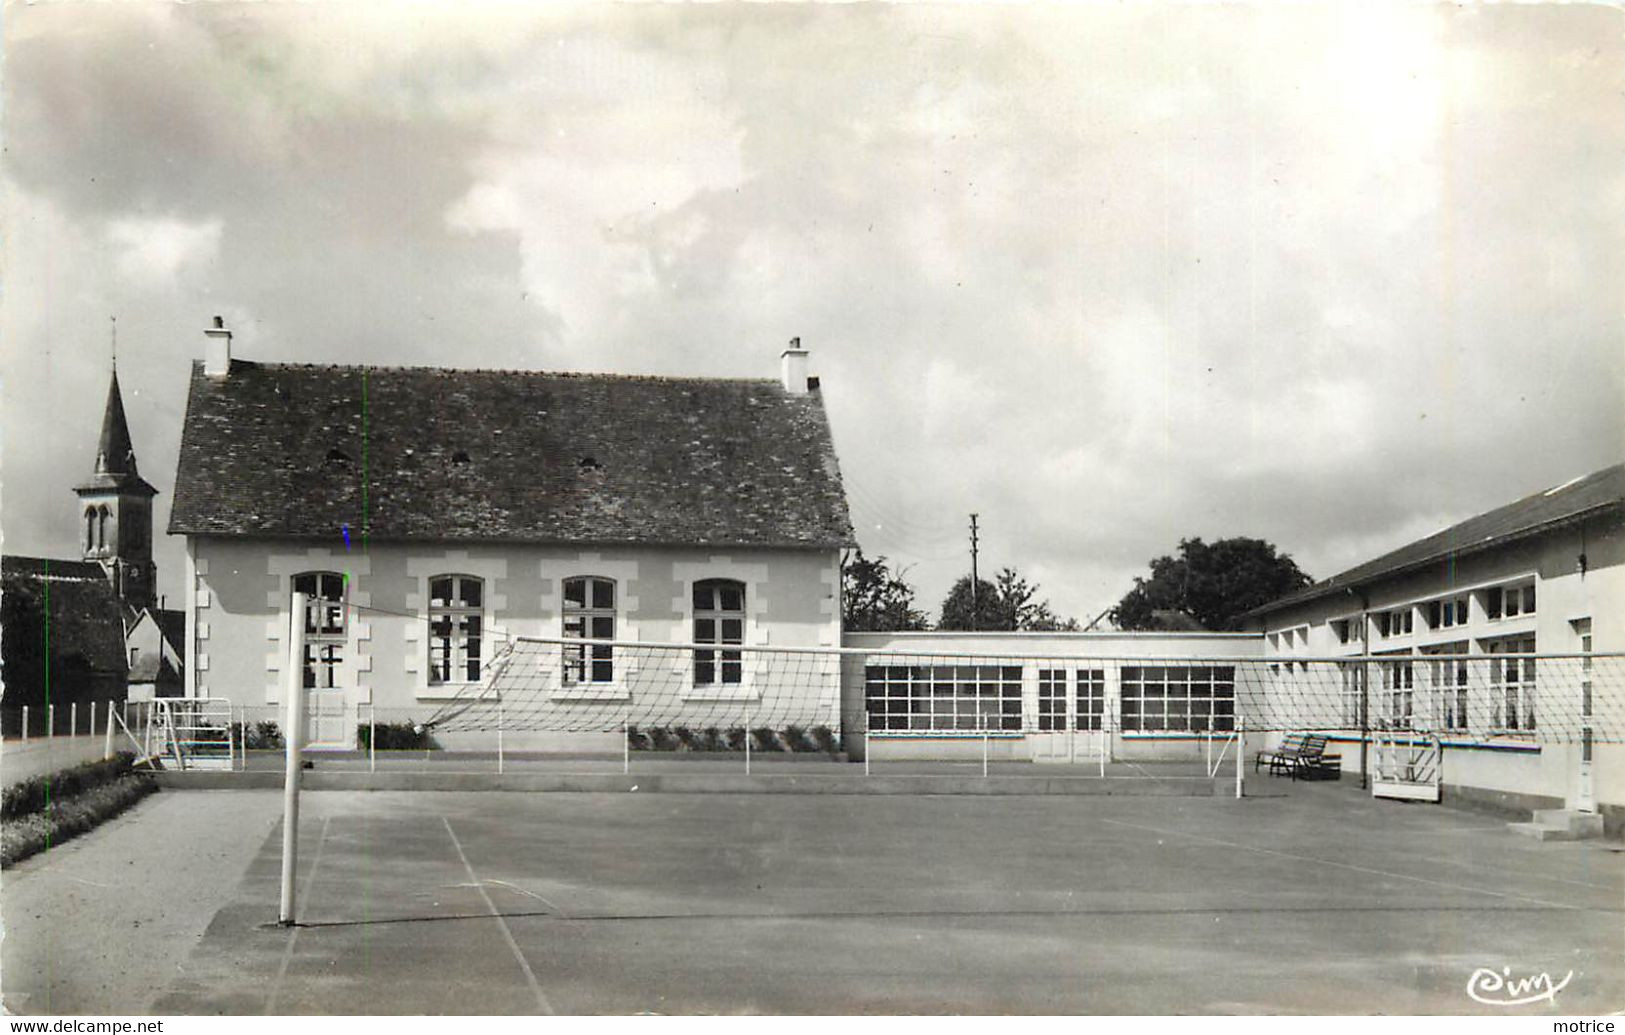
x=64, y=818
x=636, y=739
x=796, y=739
x=34, y=793
x=710, y=739
x=824, y=737
x=734, y=737
x=662, y=739
x=397, y=736
x=686, y=738
x=766, y=739
x=264, y=735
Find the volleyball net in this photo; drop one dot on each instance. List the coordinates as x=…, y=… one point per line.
x=576, y=685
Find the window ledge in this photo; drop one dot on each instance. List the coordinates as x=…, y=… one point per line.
x=717, y=693
x=604, y=692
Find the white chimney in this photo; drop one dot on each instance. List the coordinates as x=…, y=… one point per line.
x=793, y=368
x=217, y=350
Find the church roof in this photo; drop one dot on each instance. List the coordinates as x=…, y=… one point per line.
x=498, y=455
x=84, y=624
x=115, y=454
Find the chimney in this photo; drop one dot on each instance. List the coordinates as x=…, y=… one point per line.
x=793, y=368
x=217, y=350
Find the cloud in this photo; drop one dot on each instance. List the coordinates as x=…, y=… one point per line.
x=1108, y=277
x=151, y=253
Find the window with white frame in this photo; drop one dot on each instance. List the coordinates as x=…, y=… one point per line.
x=1052, y=695
x=589, y=614
x=1447, y=613
x=324, y=626
x=1349, y=629
x=456, y=628
x=1399, y=694
x=1447, y=678
x=1398, y=622
x=946, y=698
x=1509, y=601
x=1176, y=698
x=1353, y=681
x=1512, y=683
x=719, y=617
x=1091, y=710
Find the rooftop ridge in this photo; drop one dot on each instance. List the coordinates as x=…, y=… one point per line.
x=576, y=375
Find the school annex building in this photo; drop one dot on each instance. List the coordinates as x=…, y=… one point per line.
x=711, y=511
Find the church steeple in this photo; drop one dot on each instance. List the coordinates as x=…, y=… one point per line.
x=115, y=506
x=115, y=455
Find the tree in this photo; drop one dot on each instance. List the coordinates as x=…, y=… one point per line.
x=876, y=599
x=1004, y=604
x=1214, y=583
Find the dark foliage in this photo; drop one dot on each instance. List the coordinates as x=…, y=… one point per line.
x=876, y=599
x=1214, y=583
x=1006, y=604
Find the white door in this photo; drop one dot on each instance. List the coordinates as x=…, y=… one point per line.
x=327, y=720
x=1071, y=716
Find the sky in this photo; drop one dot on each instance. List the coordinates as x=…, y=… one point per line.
x=1109, y=277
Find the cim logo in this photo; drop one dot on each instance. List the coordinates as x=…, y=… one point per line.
x=1493, y=989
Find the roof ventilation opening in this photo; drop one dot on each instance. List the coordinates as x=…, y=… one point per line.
x=587, y=463
x=461, y=457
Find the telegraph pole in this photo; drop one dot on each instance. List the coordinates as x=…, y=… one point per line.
x=973, y=572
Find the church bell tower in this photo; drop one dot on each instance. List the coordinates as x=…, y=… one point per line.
x=115, y=510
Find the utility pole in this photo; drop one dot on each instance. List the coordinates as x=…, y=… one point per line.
x=973, y=605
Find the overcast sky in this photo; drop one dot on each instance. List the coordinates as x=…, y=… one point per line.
x=1334, y=277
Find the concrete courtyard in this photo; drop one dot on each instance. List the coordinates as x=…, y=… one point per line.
x=1317, y=900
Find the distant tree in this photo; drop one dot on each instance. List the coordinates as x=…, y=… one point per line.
x=876, y=599
x=1214, y=583
x=1004, y=604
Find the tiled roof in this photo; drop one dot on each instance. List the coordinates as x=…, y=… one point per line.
x=434, y=454
x=1593, y=494
x=86, y=618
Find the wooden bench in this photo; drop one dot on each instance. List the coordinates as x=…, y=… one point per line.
x=1298, y=754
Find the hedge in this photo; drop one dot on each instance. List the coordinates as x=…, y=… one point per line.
x=48, y=810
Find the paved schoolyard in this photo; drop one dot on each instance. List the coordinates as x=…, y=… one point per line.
x=1320, y=901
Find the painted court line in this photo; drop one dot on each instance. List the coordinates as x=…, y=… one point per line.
x=1341, y=865
x=293, y=932
x=530, y=976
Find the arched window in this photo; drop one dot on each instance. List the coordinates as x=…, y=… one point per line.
x=324, y=626
x=90, y=529
x=456, y=614
x=719, y=617
x=101, y=528
x=589, y=614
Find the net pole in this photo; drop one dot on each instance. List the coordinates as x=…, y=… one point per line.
x=984, y=747
x=107, y=736
x=73, y=719
x=865, y=742
x=1241, y=749
x=293, y=739
x=499, y=735
x=747, y=738
x=50, y=722
x=25, y=724
x=626, y=743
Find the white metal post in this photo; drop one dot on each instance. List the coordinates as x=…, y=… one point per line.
x=25, y=724
x=626, y=743
x=372, y=738
x=1241, y=749
x=50, y=722
x=499, y=734
x=747, y=738
x=984, y=746
x=866, y=742
x=293, y=737
x=107, y=741
x=73, y=719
